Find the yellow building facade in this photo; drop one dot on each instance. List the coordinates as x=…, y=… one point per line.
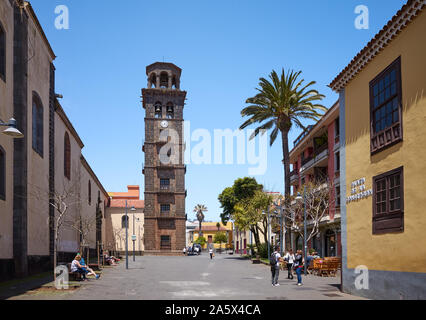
x=382, y=120
x=210, y=229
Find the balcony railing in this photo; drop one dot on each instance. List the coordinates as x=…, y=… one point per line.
x=320, y=149
x=294, y=176
x=306, y=160
x=312, y=161
x=304, y=134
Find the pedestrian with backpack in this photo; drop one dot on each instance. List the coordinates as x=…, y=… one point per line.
x=274, y=261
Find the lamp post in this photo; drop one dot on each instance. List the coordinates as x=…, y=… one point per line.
x=127, y=239
x=127, y=248
x=133, y=235
x=304, y=227
x=267, y=231
x=11, y=131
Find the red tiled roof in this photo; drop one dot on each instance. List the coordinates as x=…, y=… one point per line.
x=210, y=228
x=138, y=204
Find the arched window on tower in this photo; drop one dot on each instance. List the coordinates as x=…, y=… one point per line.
x=2, y=53
x=153, y=80
x=67, y=156
x=2, y=174
x=164, y=80
x=170, y=111
x=37, y=122
x=174, y=83
x=158, y=110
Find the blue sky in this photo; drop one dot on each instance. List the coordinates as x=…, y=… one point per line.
x=223, y=47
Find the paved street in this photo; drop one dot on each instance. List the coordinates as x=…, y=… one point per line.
x=196, y=278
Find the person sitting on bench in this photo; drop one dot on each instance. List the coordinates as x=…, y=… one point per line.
x=110, y=259
x=76, y=267
x=89, y=271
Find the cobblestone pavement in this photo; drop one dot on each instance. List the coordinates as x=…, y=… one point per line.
x=226, y=277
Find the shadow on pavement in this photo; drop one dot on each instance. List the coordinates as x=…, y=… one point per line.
x=236, y=258
x=18, y=287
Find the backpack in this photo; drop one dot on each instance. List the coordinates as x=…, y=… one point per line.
x=273, y=259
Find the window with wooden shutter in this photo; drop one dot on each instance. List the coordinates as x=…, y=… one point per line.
x=388, y=202
x=385, y=108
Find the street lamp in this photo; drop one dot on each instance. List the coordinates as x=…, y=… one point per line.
x=133, y=235
x=127, y=240
x=11, y=131
x=299, y=198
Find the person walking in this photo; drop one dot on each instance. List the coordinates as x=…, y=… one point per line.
x=289, y=258
x=211, y=253
x=274, y=261
x=298, y=266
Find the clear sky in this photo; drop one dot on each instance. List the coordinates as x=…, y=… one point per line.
x=223, y=47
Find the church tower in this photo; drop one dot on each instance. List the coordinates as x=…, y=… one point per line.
x=164, y=170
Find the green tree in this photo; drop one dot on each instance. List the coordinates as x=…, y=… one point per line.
x=199, y=210
x=249, y=214
x=201, y=241
x=242, y=188
x=282, y=101
x=220, y=238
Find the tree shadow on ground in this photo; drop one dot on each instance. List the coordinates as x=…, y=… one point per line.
x=18, y=287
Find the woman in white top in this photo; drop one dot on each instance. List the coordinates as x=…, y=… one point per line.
x=77, y=267
x=211, y=252
x=289, y=258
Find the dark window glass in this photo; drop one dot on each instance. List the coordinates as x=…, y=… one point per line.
x=123, y=222
x=2, y=174
x=2, y=53
x=165, y=208
x=337, y=196
x=67, y=156
x=385, y=97
x=165, y=243
x=37, y=125
x=89, y=190
x=164, y=184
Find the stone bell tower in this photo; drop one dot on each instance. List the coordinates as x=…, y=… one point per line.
x=164, y=170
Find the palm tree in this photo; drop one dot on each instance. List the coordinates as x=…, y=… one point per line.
x=281, y=103
x=200, y=209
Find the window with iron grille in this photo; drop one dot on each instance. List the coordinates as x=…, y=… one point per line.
x=385, y=108
x=165, y=243
x=165, y=208
x=164, y=184
x=388, y=202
